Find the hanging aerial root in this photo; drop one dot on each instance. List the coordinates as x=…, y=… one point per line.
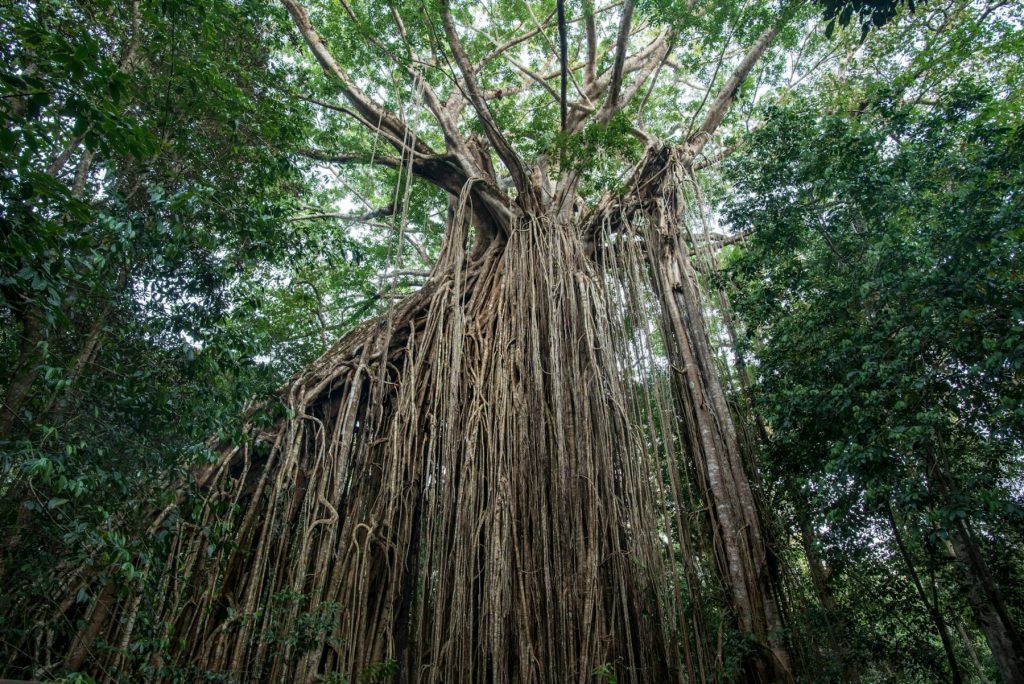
x=489, y=483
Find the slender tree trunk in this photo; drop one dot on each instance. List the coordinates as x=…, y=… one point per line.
x=933, y=610
x=838, y=627
x=986, y=601
x=33, y=328
x=740, y=546
x=819, y=576
x=57, y=403
x=711, y=433
x=983, y=592
x=973, y=652
x=26, y=369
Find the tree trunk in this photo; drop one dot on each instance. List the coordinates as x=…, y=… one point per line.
x=987, y=604
x=983, y=593
x=740, y=548
x=25, y=370
x=837, y=624
x=461, y=491
x=819, y=575
x=931, y=607
x=465, y=490
x=22, y=378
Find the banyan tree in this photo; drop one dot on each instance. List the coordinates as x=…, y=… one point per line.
x=526, y=470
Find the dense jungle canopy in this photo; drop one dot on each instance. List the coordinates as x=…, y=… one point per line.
x=529, y=341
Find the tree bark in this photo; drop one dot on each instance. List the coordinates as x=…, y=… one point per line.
x=740, y=547
x=987, y=604
x=25, y=370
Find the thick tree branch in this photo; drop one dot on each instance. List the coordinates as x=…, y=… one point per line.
x=591, y=29
x=446, y=118
x=497, y=139
x=369, y=113
x=440, y=171
x=621, y=45
x=563, y=49
x=652, y=66
x=722, y=103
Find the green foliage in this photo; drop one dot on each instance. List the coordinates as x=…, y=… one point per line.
x=884, y=314
x=869, y=13
x=149, y=276
x=600, y=145
x=378, y=672
x=605, y=673
x=305, y=630
x=77, y=678
x=332, y=678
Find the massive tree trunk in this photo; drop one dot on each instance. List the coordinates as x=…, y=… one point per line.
x=461, y=488
x=492, y=482
x=464, y=489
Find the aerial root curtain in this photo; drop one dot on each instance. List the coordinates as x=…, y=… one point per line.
x=526, y=471
x=490, y=483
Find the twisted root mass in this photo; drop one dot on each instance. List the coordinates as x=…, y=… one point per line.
x=493, y=482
